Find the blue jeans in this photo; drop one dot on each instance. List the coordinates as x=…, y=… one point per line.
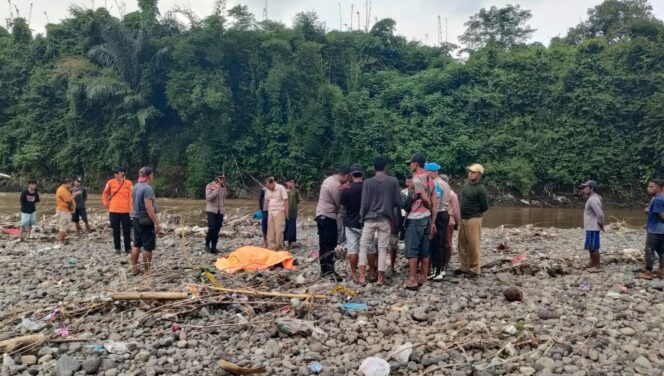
x=417, y=238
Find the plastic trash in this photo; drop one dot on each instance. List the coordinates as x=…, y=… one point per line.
x=51, y=316
x=315, y=367
x=585, y=286
x=402, y=353
x=300, y=280
x=72, y=261
x=62, y=332
x=353, y=307
x=258, y=214
x=374, y=366
x=518, y=260
x=510, y=329
x=116, y=347
x=31, y=325
x=291, y=326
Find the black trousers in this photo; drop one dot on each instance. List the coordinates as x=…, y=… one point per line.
x=438, y=247
x=215, y=221
x=121, y=220
x=327, y=241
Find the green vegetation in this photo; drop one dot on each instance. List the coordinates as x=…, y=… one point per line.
x=229, y=93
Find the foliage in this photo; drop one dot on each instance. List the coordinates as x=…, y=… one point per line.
x=252, y=98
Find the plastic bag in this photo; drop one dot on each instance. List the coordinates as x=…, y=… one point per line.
x=293, y=326
x=31, y=325
x=374, y=366
x=116, y=347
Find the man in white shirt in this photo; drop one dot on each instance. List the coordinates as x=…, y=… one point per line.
x=277, y=204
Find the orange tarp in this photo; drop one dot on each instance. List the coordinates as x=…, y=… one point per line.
x=252, y=258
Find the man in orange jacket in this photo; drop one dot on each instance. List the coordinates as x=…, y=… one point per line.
x=117, y=198
x=64, y=207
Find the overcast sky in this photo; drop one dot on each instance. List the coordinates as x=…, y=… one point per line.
x=416, y=19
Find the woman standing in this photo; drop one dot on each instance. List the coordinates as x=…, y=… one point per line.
x=215, y=197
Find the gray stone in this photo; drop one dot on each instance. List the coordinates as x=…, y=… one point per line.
x=66, y=366
x=527, y=371
x=28, y=360
x=111, y=372
x=91, y=364
x=642, y=365
x=545, y=363
x=181, y=344
x=271, y=348
x=628, y=348
x=419, y=314
x=627, y=331
x=142, y=356
x=46, y=358
x=503, y=277
x=107, y=364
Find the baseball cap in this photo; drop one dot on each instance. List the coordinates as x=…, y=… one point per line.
x=432, y=166
x=356, y=168
x=476, y=167
x=118, y=168
x=418, y=158
x=590, y=183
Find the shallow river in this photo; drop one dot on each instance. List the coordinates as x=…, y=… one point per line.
x=192, y=211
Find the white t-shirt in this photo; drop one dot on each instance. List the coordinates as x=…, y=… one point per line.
x=276, y=198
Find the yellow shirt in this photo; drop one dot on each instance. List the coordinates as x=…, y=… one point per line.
x=63, y=197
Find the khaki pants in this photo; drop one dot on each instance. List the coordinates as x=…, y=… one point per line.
x=276, y=223
x=381, y=230
x=469, y=244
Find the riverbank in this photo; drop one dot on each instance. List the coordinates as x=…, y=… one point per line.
x=569, y=321
x=191, y=212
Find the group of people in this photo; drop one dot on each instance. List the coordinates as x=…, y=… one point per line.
x=130, y=207
x=375, y=213
x=368, y=215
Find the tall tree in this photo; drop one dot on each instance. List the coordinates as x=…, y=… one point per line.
x=501, y=27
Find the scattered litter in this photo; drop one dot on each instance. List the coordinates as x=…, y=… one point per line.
x=518, y=260
x=293, y=326
x=72, y=261
x=402, y=353
x=51, y=316
x=341, y=289
x=118, y=348
x=353, y=307
x=315, y=367
x=585, y=286
x=258, y=214
x=510, y=329
x=241, y=319
x=299, y=280
x=314, y=253
x=511, y=350
x=62, y=332
x=12, y=231
x=31, y=325
x=175, y=328
x=624, y=289
x=374, y=366
x=613, y=294
x=285, y=310
x=399, y=307
x=295, y=302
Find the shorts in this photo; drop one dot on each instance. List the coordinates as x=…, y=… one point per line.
x=592, y=241
x=353, y=236
x=417, y=238
x=144, y=236
x=63, y=219
x=264, y=219
x=28, y=220
x=80, y=213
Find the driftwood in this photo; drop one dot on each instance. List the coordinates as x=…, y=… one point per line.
x=237, y=370
x=12, y=344
x=150, y=295
x=267, y=293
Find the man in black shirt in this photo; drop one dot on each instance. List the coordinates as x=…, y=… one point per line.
x=81, y=213
x=29, y=199
x=351, y=200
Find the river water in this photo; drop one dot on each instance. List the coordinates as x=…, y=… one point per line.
x=192, y=211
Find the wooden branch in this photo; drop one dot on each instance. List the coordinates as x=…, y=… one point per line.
x=149, y=295
x=12, y=344
x=237, y=370
x=267, y=293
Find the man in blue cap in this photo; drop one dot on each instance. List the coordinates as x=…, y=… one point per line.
x=438, y=246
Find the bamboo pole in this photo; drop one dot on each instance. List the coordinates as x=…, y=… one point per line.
x=149, y=295
x=267, y=293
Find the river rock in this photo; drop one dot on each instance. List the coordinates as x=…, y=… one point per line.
x=627, y=331
x=91, y=364
x=66, y=366
x=419, y=314
x=28, y=360
x=545, y=363
x=271, y=348
x=527, y=371
x=642, y=365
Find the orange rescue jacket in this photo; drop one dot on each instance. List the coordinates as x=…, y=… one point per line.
x=120, y=196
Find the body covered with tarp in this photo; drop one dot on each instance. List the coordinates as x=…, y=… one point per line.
x=250, y=258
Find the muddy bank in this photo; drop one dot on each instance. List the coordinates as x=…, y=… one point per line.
x=568, y=322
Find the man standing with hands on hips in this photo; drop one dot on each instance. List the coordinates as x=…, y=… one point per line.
x=474, y=202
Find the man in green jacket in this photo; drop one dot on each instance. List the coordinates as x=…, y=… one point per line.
x=474, y=203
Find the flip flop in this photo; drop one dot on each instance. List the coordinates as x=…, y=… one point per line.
x=413, y=288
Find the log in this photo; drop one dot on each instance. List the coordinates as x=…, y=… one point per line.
x=149, y=295
x=237, y=370
x=267, y=293
x=12, y=344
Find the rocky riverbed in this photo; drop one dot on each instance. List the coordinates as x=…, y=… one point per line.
x=568, y=321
